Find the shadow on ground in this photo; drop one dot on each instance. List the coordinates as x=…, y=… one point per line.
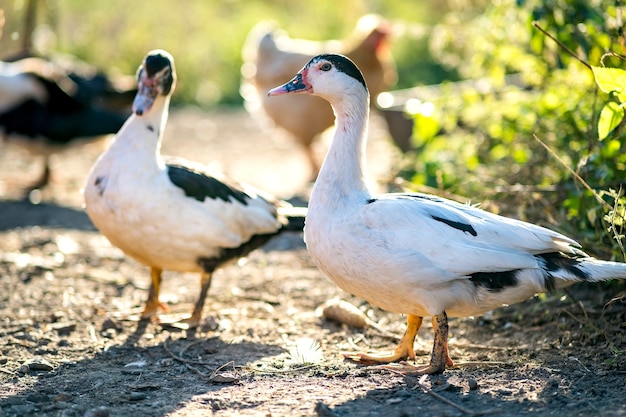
x=22, y=213
x=151, y=383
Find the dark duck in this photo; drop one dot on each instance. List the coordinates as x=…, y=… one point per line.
x=47, y=106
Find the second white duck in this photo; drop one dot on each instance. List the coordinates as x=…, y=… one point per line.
x=171, y=214
x=418, y=254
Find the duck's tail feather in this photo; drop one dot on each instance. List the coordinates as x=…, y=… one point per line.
x=294, y=218
x=599, y=270
x=566, y=270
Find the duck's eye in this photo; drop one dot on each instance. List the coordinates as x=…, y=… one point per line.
x=326, y=66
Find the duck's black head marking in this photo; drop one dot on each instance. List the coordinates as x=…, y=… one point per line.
x=159, y=61
x=343, y=64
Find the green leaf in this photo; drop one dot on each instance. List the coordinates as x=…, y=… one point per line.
x=611, y=80
x=425, y=127
x=610, y=117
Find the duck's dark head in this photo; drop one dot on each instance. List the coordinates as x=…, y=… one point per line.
x=156, y=76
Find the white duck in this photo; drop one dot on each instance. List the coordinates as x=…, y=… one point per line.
x=171, y=214
x=418, y=254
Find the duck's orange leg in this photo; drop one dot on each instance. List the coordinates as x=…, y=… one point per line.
x=153, y=304
x=402, y=352
x=205, y=283
x=439, y=358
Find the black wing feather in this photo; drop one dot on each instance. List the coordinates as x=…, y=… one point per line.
x=199, y=185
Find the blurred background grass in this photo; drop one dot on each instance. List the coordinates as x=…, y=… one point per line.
x=206, y=37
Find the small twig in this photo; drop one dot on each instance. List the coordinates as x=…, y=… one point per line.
x=578, y=303
x=223, y=366
x=574, y=173
x=476, y=346
x=479, y=363
x=180, y=358
x=520, y=188
x=612, y=221
x=603, y=312
x=353, y=341
x=215, y=376
x=562, y=45
x=282, y=371
x=184, y=349
x=611, y=301
x=197, y=371
x=575, y=318
x=610, y=53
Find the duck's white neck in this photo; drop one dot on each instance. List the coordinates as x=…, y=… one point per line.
x=158, y=115
x=342, y=177
x=143, y=133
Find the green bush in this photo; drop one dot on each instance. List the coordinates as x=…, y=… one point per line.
x=517, y=144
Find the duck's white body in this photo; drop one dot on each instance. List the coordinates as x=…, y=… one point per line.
x=172, y=214
x=418, y=254
x=131, y=200
x=394, y=255
x=390, y=250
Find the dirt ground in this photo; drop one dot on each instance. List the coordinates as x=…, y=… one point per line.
x=69, y=346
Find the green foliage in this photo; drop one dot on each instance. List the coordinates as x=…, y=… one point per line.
x=588, y=27
x=610, y=81
x=485, y=146
x=611, y=116
x=206, y=36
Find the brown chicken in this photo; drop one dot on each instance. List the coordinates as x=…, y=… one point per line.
x=271, y=58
